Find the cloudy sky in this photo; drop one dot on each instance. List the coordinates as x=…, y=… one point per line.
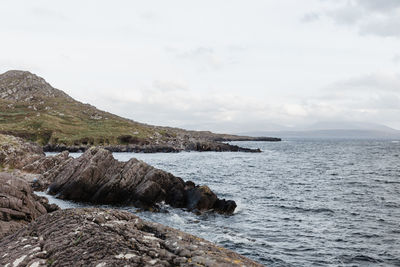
x=229, y=66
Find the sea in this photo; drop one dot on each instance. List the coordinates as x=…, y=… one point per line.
x=313, y=202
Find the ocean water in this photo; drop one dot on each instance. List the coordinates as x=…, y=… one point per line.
x=300, y=202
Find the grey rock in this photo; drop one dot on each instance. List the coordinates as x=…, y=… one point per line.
x=76, y=237
x=97, y=177
x=18, y=204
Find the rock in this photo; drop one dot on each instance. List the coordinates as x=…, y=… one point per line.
x=18, y=85
x=18, y=204
x=217, y=146
x=104, y=237
x=16, y=152
x=200, y=146
x=201, y=197
x=45, y=164
x=97, y=177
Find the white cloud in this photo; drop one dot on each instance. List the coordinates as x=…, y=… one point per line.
x=374, y=82
x=375, y=17
x=310, y=17
x=216, y=65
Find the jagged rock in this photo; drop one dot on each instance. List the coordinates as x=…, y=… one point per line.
x=45, y=164
x=201, y=197
x=97, y=177
x=101, y=237
x=16, y=152
x=216, y=146
x=18, y=204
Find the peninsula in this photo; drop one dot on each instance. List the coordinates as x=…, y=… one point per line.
x=32, y=109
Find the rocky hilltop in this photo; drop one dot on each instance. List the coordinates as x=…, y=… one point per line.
x=23, y=86
x=32, y=109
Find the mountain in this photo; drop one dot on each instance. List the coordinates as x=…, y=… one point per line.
x=353, y=125
x=336, y=129
x=31, y=108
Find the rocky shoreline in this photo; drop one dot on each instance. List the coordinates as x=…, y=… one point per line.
x=106, y=237
x=194, y=146
x=48, y=236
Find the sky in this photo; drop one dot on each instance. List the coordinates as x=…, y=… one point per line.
x=221, y=65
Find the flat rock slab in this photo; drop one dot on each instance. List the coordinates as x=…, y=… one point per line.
x=107, y=237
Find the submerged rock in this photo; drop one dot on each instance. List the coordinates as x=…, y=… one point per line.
x=18, y=204
x=97, y=177
x=104, y=237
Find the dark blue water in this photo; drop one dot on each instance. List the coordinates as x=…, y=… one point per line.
x=300, y=202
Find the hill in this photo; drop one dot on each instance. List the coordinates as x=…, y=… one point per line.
x=31, y=108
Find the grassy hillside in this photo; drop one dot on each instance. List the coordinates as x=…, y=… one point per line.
x=32, y=109
x=65, y=121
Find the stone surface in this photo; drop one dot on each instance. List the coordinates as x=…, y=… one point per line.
x=97, y=177
x=101, y=237
x=18, y=204
x=200, y=146
x=44, y=164
x=19, y=85
x=16, y=152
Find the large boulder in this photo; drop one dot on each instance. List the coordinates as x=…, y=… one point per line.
x=97, y=177
x=18, y=204
x=105, y=237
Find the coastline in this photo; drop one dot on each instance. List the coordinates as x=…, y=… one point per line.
x=35, y=233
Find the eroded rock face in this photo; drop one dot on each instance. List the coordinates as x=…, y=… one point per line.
x=45, y=164
x=97, y=177
x=16, y=152
x=104, y=237
x=18, y=204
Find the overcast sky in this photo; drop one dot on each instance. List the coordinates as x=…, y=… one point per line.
x=228, y=66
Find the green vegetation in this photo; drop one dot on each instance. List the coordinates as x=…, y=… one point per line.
x=66, y=121
x=30, y=108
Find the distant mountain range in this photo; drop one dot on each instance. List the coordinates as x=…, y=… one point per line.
x=334, y=129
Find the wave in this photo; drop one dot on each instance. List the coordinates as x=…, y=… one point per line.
x=313, y=210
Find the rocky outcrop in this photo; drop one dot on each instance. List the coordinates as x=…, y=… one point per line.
x=18, y=204
x=24, y=86
x=114, y=148
x=97, y=177
x=16, y=152
x=218, y=147
x=200, y=146
x=44, y=164
x=27, y=161
x=247, y=138
x=101, y=237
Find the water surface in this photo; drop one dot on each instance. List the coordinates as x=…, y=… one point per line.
x=300, y=202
